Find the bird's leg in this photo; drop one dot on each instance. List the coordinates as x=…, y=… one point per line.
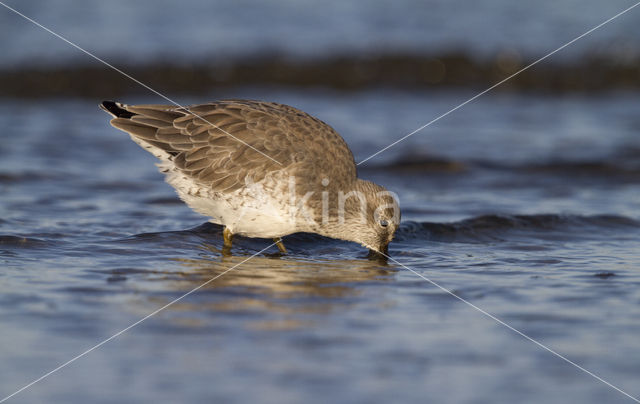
x=227, y=236
x=278, y=241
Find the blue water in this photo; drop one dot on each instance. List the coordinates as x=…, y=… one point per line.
x=523, y=204
x=92, y=240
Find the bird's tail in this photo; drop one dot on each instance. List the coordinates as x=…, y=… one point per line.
x=116, y=109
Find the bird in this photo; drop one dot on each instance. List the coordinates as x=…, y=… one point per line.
x=262, y=169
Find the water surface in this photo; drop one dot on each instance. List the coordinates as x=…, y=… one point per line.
x=190, y=30
x=526, y=206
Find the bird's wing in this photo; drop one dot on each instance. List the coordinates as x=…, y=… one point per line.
x=222, y=144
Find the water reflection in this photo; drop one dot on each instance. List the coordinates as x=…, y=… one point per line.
x=270, y=292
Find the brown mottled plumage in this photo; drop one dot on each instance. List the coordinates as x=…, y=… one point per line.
x=238, y=161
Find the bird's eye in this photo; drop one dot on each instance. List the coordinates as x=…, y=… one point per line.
x=383, y=223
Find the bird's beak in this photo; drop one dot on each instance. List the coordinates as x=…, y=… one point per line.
x=385, y=249
x=381, y=254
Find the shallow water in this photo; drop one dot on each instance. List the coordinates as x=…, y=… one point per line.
x=526, y=206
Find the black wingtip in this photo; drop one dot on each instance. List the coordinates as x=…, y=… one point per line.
x=115, y=109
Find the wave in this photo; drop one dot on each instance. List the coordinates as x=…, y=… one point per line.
x=618, y=164
x=489, y=228
x=26, y=176
x=486, y=228
x=344, y=72
x=480, y=229
x=11, y=241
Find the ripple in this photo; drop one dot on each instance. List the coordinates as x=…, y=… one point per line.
x=23, y=242
x=496, y=227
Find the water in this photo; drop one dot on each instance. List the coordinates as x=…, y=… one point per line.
x=186, y=32
x=522, y=203
x=525, y=206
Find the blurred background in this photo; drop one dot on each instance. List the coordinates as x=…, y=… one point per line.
x=375, y=70
x=203, y=47
x=524, y=201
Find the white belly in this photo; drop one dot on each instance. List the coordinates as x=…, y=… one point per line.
x=250, y=211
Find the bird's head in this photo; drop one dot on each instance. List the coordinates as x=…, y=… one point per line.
x=371, y=216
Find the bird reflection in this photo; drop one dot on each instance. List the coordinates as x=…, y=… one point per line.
x=279, y=290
